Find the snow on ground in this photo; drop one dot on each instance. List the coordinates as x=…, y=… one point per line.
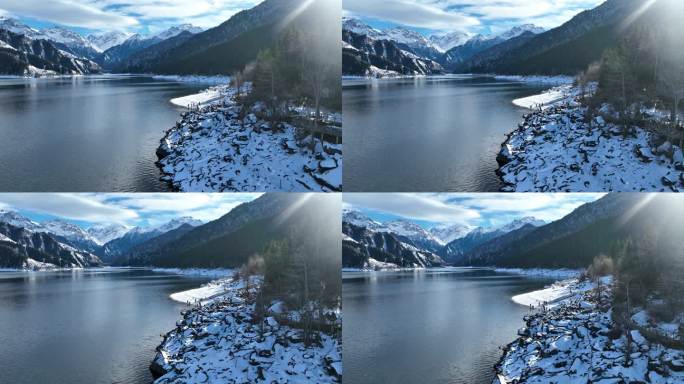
x=201, y=99
x=546, y=99
x=35, y=265
x=6, y=239
x=545, y=80
x=201, y=294
x=541, y=272
x=213, y=149
x=215, y=80
x=557, y=150
x=217, y=273
x=573, y=342
x=218, y=342
x=554, y=294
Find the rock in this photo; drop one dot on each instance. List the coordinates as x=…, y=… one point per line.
x=156, y=367
x=676, y=365
x=505, y=156
x=665, y=149
x=667, y=182
x=327, y=165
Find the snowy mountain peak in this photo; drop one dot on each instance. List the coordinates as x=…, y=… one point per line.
x=447, y=233
x=520, y=29
x=102, y=234
x=177, y=30
x=103, y=41
x=17, y=220
x=65, y=229
x=65, y=36
x=16, y=26
x=177, y=223
x=359, y=27
x=408, y=37
x=519, y=223
x=359, y=219
x=448, y=41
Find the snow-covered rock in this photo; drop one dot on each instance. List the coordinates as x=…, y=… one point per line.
x=218, y=148
x=221, y=342
x=555, y=149
x=573, y=340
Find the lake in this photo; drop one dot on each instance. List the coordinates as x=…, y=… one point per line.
x=85, y=134
x=92, y=326
x=430, y=326
x=428, y=134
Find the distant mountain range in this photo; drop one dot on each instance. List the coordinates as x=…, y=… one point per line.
x=184, y=242
x=407, y=52
x=522, y=50
x=401, y=243
x=573, y=241
x=59, y=243
x=179, y=50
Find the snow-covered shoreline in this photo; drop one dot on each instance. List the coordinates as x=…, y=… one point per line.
x=569, y=337
x=534, y=79
x=203, y=293
x=217, y=147
x=218, y=341
x=556, y=150
x=198, y=79
x=203, y=272
x=562, y=273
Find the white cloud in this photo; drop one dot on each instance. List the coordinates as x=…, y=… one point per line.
x=471, y=209
x=448, y=15
x=127, y=14
x=68, y=206
x=66, y=12
x=129, y=209
x=413, y=206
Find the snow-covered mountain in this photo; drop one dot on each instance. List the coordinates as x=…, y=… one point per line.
x=359, y=219
x=177, y=30
x=65, y=229
x=17, y=220
x=16, y=26
x=103, y=234
x=176, y=223
x=449, y=40
x=519, y=30
x=409, y=37
x=105, y=40
x=519, y=223
x=447, y=233
x=66, y=37
x=359, y=27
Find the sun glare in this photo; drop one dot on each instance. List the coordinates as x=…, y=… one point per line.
x=634, y=16
x=296, y=12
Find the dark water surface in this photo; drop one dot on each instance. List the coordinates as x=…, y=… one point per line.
x=85, y=134
x=427, y=134
x=85, y=326
x=435, y=326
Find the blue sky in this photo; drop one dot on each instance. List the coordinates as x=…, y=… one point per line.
x=140, y=209
x=472, y=16
x=133, y=16
x=477, y=210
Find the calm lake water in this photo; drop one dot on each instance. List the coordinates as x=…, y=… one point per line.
x=90, y=134
x=435, y=326
x=85, y=326
x=428, y=134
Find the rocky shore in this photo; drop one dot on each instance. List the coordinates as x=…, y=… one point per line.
x=218, y=148
x=556, y=149
x=574, y=341
x=220, y=342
